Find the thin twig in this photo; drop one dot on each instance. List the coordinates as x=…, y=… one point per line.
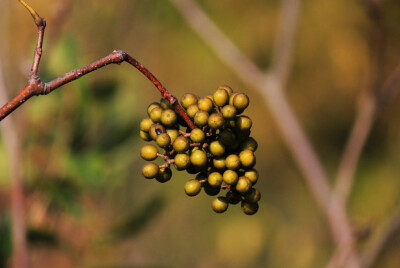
x=271, y=87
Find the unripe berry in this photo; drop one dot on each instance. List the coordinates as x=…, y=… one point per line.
x=150, y=170
x=240, y=101
x=149, y=152
x=221, y=97
x=232, y=162
x=145, y=136
x=192, y=187
x=163, y=140
x=181, y=161
x=145, y=124
x=220, y=204
x=168, y=117
x=198, y=158
x=227, y=137
x=215, y=179
x=155, y=130
x=252, y=196
x=192, y=110
x=152, y=106
x=252, y=175
x=165, y=104
x=155, y=114
x=250, y=144
x=215, y=121
x=228, y=89
x=249, y=208
x=243, y=185
x=230, y=177
x=219, y=163
x=205, y=104
x=247, y=158
x=188, y=99
x=211, y=190
x=201, y=118
x=173, y=134
x=243, y=123
x=228, y=111
x=197, y=135
x=181, y=144
x=217, y=148
x=233, y=197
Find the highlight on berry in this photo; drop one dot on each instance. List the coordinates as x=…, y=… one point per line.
x=218, y=154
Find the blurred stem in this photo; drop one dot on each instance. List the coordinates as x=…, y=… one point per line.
x=271, y=86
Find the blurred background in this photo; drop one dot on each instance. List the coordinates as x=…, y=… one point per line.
x=87, y=203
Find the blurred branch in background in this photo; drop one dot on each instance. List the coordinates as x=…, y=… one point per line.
x=271, y=86
x=13, y=148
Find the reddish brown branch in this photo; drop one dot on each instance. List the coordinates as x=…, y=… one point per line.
x=36, y=86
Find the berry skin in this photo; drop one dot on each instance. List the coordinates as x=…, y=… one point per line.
x=201, y=118
x=247, y=158
x=232, y=162
x=181, y=161
x=149, y=152
x=230, y=177
x=188, y=99
x=227, y=137
x=145, y=124
x=220, y=204
x=150, y=170
x=181, y=144
x=233, y=197
x=252, y=175
x=231, y=96
x=205, y=104
x=240, y=101
x=228, y=111
x=198, y=158
x=164, y=175
x=210, y=190
x=197, y=135
x=168, y=118
x=215, y=121
x=163, y=140
x=243, y=123
x=192, y=187
x=252, y=196
x=165, y=104
x=228, y=89
x=192, y=110
x=215, y=179
x=221, y=97
x=243, y=185
x=155, y=114
x=217, y=148
x=249, y=208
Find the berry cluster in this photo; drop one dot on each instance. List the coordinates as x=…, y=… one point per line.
x=220, y=150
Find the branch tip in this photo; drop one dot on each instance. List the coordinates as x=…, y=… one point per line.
x=39, y=21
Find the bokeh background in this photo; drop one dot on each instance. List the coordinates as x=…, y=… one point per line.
x=87, y=204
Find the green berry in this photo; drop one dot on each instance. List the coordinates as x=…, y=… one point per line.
x=219, y=163
x=188, y=99
x=220, y=204
x=221, y=97
x=152, y=106
x=252, y=175
x=198, y=158
x=150, y=170
x=228, y=111
x=197, y=135
x=243, y=185
x=149, y=152
x=155, y=130
x=232, y=162
x=201, y=118
x=205, y=104
x=249, y=208
x=240, y=101
x=228, y=89
x=230, y=177
x=227, y=137
x=164, y=175
x=215, y=121
x=155, y=114
x=192, y=187
x=247, y=158
x=243, y=123
x=163, y=140
x=181, y=144
x=217, y=148
x=145, y=124
x=145, y=136
x=250, y=144
x=168, y=117
x=215, y=179
x=173, y=134
x=181, y=161
x=192, y=110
